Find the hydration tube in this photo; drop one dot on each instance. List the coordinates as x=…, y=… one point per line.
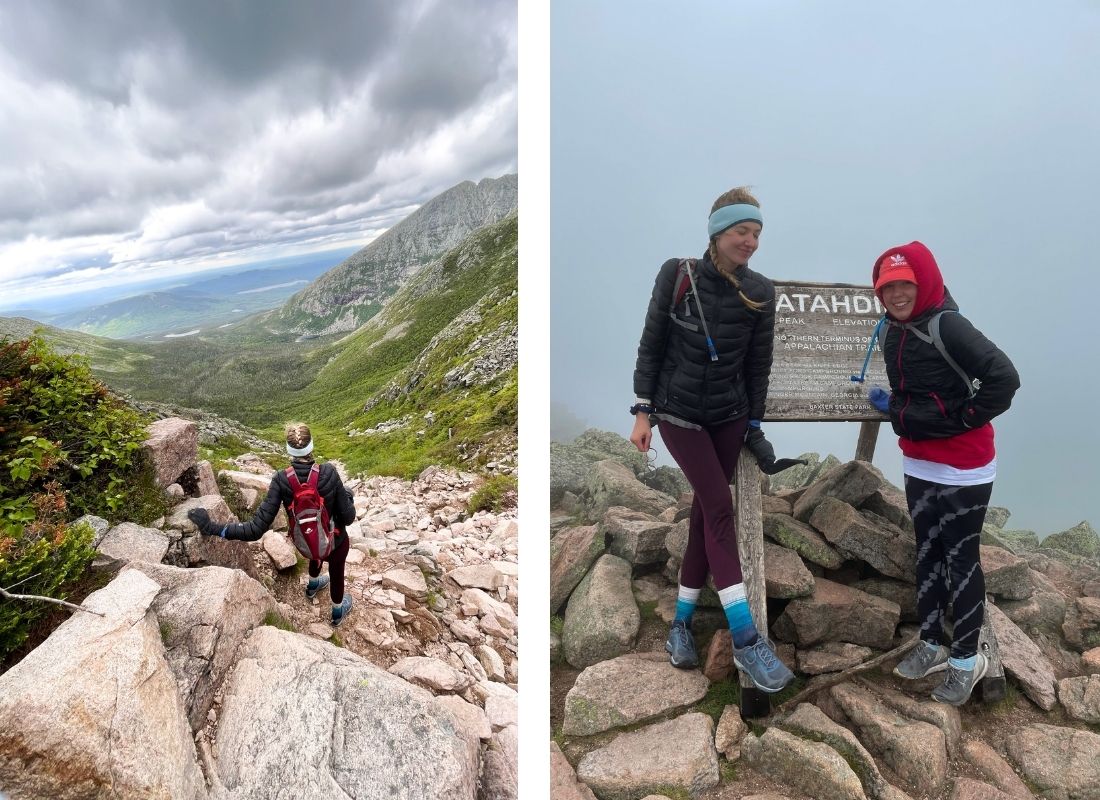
x=706, y=332
x=870, y=347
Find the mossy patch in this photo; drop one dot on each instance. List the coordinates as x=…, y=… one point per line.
x=277, y=620
x=496, y=494
x=719, y=695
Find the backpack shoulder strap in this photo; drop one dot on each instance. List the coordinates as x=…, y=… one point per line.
x=683, y=281
x=292, y=478
x=314, y=476
x=937, y=341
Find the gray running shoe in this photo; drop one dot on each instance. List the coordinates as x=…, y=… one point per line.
x=924, y=659
x=681, y=646
x=315, y=585
x=959, y=683
x=760, y=663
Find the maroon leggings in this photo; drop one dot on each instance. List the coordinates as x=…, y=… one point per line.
x=336, y=561
x=708, y=458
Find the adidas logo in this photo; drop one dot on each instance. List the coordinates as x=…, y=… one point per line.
x=898, y=260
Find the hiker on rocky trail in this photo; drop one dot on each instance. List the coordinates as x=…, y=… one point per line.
x=704, y=360
x=319, y=507
x=947, y=381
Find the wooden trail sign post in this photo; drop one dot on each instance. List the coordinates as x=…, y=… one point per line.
x=821, y=336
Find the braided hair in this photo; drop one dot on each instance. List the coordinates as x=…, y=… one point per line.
x=735, y=196
x=298, y=436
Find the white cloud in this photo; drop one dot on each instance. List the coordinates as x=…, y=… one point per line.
x=141, y=138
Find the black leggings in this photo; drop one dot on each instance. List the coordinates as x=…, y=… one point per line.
x=336, y=561
x=948, y=521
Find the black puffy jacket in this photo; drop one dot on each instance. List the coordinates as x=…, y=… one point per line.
x=337, y=499
x=930, y=399
x=674, y=369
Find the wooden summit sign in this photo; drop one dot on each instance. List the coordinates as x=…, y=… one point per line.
x=821, y=335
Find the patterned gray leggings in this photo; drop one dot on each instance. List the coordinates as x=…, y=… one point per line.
x=948, y=521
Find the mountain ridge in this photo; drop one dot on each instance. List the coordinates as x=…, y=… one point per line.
x=352, y=292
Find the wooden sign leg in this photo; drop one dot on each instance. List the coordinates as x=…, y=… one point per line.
x=993, y=686
x=750, y=549
x=868, y=436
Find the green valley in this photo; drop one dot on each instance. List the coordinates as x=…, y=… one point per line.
x=430, y=378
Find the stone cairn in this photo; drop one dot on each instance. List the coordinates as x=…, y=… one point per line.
x=839, y=561
x=206, y=673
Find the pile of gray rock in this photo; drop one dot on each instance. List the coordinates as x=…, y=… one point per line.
x=207, y=653
x=839, y=575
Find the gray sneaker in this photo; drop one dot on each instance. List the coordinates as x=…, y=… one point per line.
x=760, y=663
x=681, y=646
x=959, y=683
x=924, y=659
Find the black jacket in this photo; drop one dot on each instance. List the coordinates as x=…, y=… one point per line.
x=929, y=399
x=674, y=369
x=336, y=496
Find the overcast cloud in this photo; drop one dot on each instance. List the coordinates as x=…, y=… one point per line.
x=973, y=127
x=143, y=138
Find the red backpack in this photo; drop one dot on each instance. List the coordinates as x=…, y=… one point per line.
x=311, y=528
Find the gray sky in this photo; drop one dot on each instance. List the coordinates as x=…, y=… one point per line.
x=973, y=127
x=139, y=138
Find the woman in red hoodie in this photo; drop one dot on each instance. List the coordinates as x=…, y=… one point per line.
x=943, y=396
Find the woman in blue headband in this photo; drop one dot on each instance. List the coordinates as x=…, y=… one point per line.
x=702, y=374
x=302, y=477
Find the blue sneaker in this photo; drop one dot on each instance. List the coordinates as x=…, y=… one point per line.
x=760, y=663
x=340, y=612
x=315, y=585
x=681, y=646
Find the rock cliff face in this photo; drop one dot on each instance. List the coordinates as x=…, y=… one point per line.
x=351, y=293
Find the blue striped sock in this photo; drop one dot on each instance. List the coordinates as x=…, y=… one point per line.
x=964, y=663
x=686, y=600
x=736, y=605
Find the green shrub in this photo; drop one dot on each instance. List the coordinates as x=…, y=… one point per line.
x=557, y=625
x=41, y=565
x=231, y=493
x=59, y=424
x=498, y=493
x=71, y=448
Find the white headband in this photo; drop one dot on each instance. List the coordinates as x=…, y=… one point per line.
x=299, y=452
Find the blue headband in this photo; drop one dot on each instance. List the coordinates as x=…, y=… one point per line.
x=728, y=216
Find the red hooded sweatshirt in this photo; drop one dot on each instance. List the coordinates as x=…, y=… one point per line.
x=968, y=450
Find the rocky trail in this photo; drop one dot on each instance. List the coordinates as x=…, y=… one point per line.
x=839, y=561
x=209, y=654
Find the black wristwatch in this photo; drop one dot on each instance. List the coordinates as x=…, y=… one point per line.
x=648, y=409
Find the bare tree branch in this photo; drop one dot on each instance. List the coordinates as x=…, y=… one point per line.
x=6, y=594
x=18, y=583
x=840, y=677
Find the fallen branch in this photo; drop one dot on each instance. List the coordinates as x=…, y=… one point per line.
x=840, y=677
x=9, y=596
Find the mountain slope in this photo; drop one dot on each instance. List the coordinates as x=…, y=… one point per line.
x=113, y=361
x=352, y=292
x=437, y=368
